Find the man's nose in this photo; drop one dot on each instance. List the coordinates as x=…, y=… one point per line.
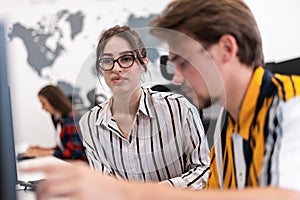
x=178, y=78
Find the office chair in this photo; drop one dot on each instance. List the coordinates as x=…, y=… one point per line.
x=288, y=67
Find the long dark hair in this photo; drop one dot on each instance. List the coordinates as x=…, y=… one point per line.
x=56, y=97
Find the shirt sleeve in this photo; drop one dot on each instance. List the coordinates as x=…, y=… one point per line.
x=72, y=144
x=197, y=154
x=289, y=156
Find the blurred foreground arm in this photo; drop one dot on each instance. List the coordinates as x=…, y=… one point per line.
x=78, y=181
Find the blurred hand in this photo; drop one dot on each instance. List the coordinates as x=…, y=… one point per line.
x=37, y=151
x=76, y=181
x=165, y=183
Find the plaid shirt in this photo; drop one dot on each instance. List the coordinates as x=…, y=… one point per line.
x=70, y=139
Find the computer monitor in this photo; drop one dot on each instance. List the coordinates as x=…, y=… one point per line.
x=7, y=149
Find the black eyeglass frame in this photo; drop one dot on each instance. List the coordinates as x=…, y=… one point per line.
x=134, y=56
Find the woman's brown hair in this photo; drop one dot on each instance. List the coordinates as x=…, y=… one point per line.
x=129, y=35
x=56, y=97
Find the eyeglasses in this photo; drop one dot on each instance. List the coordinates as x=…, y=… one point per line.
x=125, y=61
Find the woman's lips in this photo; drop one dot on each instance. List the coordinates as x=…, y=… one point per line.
x=118, y=79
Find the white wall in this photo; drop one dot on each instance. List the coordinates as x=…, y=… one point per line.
x=278, y=22
x=32, y=124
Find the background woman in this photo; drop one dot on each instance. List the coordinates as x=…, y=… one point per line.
x=69, y=144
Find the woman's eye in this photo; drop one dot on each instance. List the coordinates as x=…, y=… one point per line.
x=126, y=59
x=107, y=61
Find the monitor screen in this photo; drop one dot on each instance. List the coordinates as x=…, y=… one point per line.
x=7, y=154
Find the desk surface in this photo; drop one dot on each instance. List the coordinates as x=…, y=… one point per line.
x=23, y=176
x=25, y=195
x=29, y=194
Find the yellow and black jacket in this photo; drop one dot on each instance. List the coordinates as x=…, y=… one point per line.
x=250, y=152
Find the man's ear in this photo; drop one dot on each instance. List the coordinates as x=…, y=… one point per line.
x=228, y=47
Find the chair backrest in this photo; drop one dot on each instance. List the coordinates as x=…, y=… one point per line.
x=287, y=67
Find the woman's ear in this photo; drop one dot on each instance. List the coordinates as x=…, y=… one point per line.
x=146, y=61
x=228, y=47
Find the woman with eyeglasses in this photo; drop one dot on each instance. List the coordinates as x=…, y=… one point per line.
x=139, y=134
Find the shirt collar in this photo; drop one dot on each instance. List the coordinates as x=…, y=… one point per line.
x=145, y=107
x=249, y=103
x=104, y=115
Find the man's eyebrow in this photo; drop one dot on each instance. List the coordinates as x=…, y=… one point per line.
x=174, y=58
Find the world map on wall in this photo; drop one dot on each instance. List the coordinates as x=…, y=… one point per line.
x=44, y=42
x=40, y=55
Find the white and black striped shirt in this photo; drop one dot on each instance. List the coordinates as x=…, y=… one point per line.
x=166, y=142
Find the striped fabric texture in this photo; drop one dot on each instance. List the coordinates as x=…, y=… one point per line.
x=166, y=143
x=252, y=148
